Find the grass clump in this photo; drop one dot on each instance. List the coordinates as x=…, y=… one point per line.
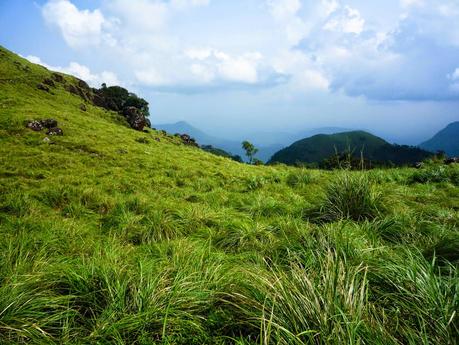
x=299, y=178
x=435, y=174
x=351, y=195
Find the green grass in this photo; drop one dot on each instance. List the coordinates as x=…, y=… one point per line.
x=110, y=238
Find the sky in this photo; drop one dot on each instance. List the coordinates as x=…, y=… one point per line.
x=236, y=67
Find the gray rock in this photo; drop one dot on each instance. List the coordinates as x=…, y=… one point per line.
x=43, y=87
x=55, y=131
x=49, y=123
x=34, y=125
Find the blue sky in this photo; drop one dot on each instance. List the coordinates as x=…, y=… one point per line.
x=235, y=67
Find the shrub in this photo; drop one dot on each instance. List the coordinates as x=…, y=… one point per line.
x=351, y=196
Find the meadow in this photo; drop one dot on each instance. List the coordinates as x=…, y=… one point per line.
x=109, y=235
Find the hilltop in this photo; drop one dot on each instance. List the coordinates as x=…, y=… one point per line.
x=111, y=235
x=319, y=148
x=446, y=140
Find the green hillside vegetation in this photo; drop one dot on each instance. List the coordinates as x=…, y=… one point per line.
x=319, y=149
x=446, y=140
x=111, y=235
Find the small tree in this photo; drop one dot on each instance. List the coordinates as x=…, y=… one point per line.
x=250, y=150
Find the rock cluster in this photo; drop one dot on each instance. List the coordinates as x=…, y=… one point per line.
x=50, y=124
x=115, y=98
x=135, y=118
x=187, y=140
x=43, y=87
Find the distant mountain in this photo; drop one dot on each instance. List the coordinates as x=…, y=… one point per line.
x=320, y=147
x=232, y=147
x=446, y=140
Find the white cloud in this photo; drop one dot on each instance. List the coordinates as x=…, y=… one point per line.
x=342, y=45
x=200, y=67
x=80, y=71
x=242, y=69
x=286, y=14
x=409, y=3
x=79, y=28
x=140, y=17
x=455, y=74
x=181, y=4
x=348, y=21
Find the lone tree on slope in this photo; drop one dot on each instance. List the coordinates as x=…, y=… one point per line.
x=250, y=150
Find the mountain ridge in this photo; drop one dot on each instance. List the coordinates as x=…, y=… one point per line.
x=446, y=140
x=316, y=149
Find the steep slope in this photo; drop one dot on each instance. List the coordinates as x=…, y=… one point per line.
x=446, y=140
x=114, y=236
x=320, y=147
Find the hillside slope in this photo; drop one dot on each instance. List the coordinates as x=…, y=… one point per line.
x=116, y=236
x=320, y=147
x=446, y=140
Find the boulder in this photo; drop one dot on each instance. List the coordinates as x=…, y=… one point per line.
x=135, y=118
x=58, y=78
x=187, y=140
x=55, y=131
x=43, y=87
x=72, y=89
x=34, y=125
x=82, y=84
x=49, y=123
x=49, y=82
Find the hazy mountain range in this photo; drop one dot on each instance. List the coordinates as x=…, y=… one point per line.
x=268, y=143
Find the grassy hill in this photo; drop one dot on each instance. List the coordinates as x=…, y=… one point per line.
x=446, y=140
x=111, y=235
x=359, y=143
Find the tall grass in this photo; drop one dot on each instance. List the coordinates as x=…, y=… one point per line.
x=351, y=195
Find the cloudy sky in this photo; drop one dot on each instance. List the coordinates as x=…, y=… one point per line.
x=234, y=67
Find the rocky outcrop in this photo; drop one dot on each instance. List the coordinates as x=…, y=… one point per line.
x=50, y=124
x=43, y=87
x=187, y=140
x=58, y=78
x=49, y=82
x=135, y=118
